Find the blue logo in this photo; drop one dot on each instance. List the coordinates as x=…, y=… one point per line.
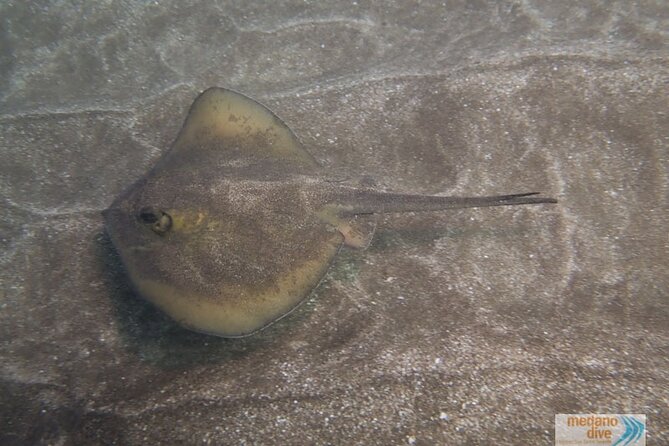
x=634, y=430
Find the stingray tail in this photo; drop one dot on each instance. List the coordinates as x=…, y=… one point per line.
x=372, y=202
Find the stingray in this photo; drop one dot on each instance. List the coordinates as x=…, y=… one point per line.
x=237, y=223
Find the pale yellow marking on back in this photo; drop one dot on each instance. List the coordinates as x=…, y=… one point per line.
x=188, y=221
x=224, y=115
x=250, y=309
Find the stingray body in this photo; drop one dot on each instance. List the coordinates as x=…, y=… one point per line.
x=236, y=224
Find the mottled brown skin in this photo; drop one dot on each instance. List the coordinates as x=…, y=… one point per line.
x=237, y=224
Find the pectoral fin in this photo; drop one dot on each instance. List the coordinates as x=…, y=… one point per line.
x=222, y=119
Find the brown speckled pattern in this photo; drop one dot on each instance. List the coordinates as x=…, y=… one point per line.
x=467, y=327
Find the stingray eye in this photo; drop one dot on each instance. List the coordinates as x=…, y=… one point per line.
x=159, y=221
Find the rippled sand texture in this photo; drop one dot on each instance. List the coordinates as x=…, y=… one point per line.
x=467, y=327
